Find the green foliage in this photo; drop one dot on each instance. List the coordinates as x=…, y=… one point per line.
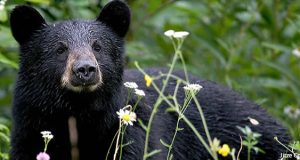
x=4, y=142
x=245, y=45
x=250, y=140
x=295, y=145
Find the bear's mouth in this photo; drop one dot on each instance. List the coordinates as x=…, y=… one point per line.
x=77, y=83
x=80, y=82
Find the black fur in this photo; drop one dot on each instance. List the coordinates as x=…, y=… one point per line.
x=40, y=103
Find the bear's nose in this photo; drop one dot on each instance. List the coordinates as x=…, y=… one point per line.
x=85, y=70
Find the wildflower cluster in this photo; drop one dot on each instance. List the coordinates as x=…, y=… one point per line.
x=47, y=135
x=131, y=85
x=178, y=34
x=133, y=88
x=192, y=88
x=190, y=91
x=126, y=117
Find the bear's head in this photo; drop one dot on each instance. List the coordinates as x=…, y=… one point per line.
x=79, y=56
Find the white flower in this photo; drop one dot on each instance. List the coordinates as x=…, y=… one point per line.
x=46, y=133
x=292, y=112
x=192, y=87
x=181, y=34
x=253, y=121
x=296, y=52
x=131, y=85
x=127, y=117
x=139, y=92
x=169, y=33
x=48, y=136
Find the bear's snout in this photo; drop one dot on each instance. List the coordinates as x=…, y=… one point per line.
x=85, y=71
x=82, y=72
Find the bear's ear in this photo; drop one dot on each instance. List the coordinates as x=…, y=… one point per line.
x=116, y=14
x=24, y=20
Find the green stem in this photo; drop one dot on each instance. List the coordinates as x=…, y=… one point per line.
x=137, y=102
x=177, y=124
x=184, y=67
x=173, y=139
x=46, y=145
x=149, y=127
x=111, y=144
x=159, y=100
x=249, y=149
x=189, y=124
x=198, y=136
x=117, y=141
x=121, y=143
x=276, y=139
x=128, y=96
x=203, y=122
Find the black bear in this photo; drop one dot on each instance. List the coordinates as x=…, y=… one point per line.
x=76, y=68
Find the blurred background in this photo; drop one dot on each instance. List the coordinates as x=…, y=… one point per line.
x=250, y=45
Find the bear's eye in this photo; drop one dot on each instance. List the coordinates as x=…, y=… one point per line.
x=61, y=50
x=96, y=47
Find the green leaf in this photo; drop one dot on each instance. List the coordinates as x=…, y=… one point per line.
x=256, y=135
x=47, y=2
x=7, y=61
x=253, y=143
x=243, y=130
x=152, y=153
x=128, y=143
x=4, y=156
x=256, y=149
x=4, y=137
x=141, y=123
x=4, y=129
x=164, y=143
x=3, y=15
x=180, y=129
x=248, y=130
x=171, y=109
x=276, y=47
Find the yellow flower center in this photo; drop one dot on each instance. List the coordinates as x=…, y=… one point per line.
x=224, y=151
x=148, y=80
x=126, y=117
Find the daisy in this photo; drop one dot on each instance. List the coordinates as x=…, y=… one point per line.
x=126, y=116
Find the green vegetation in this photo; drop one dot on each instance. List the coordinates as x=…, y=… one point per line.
x=246, y=45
